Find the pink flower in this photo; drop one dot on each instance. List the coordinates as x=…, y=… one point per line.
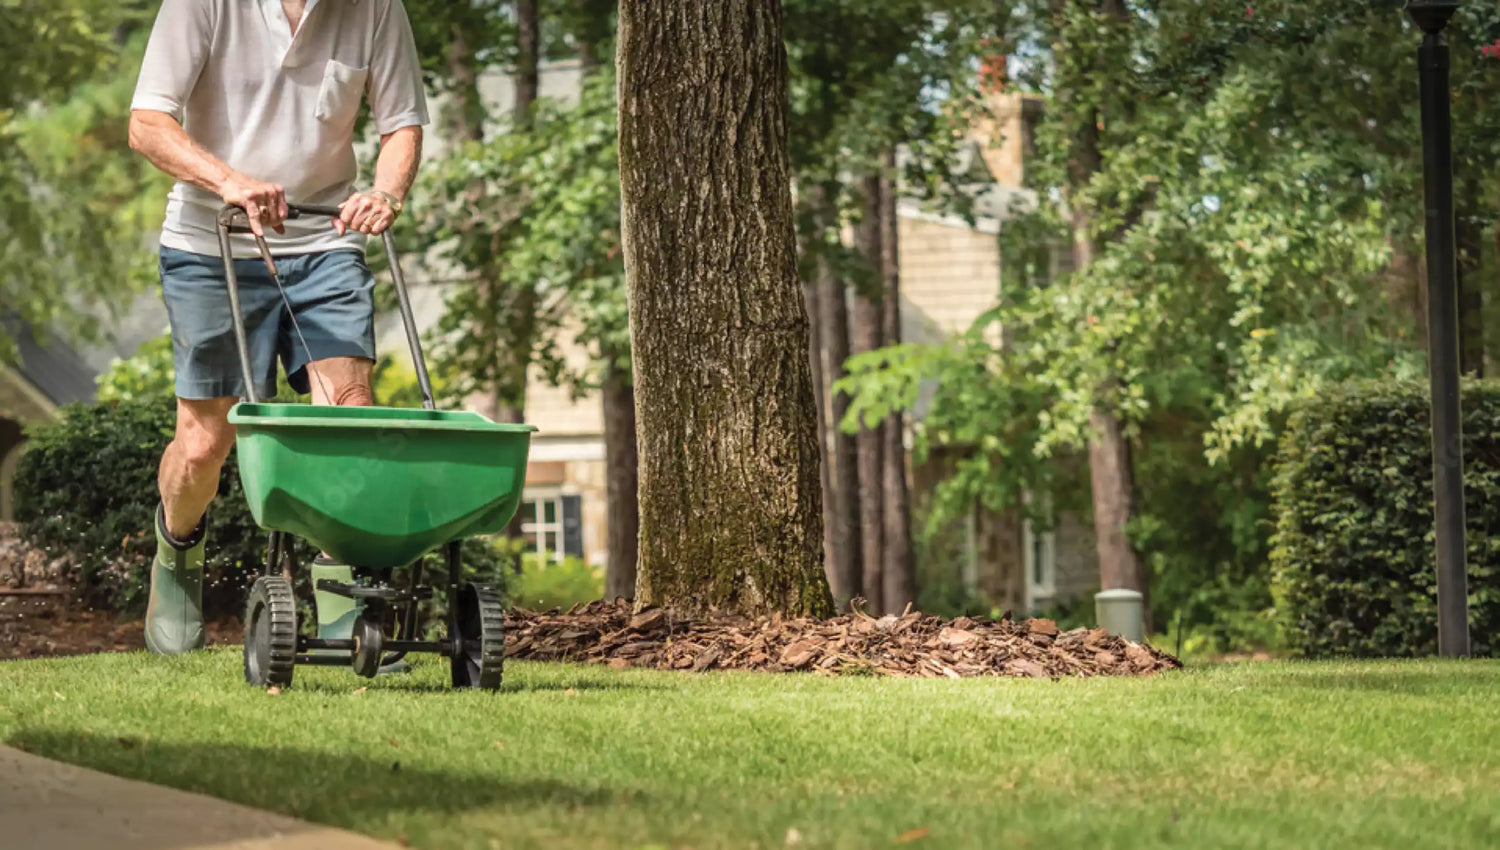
x=1491, y=51
x=1249, y=12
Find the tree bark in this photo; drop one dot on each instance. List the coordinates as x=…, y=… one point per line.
x=868, y=335
x=1470, y=244
x=621, y=481
x=833, y=308
x=729, y=503
x=900, y=567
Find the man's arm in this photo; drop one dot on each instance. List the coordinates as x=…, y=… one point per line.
x=158, y=137
x=399, y=107
x=395, y=170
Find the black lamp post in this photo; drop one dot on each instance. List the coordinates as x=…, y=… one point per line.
x=1442, y=326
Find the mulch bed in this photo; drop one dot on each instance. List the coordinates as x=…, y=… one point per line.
x=614, y=633
x=912, y=645
x=42, y=628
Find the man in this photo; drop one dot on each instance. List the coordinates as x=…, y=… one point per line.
x=254, y=102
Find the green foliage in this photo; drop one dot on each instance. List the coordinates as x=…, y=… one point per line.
x=146, y=374
x=547, y=585
x=75, y=202
x=546, y=229
x=1354, y=565
x=86, y=491
x=1244, y=177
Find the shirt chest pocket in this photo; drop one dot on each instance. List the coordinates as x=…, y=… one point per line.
x=339, y=96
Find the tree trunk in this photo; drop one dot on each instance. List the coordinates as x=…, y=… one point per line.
x=515, y=359
x=621, y=481
x=465, y=118
x=1470, y=269
x=900, y=566
x=833, y=308
x=1111, y=474
x=729, y=502
x=517, y=355
x=825, y=474
x=868, y=335
x=528, y=58
x=593, y=32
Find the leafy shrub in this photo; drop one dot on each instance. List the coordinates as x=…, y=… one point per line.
x=1352, y=554
x=545, y=585
x=86, y=493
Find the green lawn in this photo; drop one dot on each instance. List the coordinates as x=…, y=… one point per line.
x=1306, y=755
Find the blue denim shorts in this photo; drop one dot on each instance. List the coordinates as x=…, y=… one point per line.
x=330, y=293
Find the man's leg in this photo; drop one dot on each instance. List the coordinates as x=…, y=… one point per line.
x=337, y=381
x=343, y=381
x=190, y=467
x=188, y=478
x=208, y=381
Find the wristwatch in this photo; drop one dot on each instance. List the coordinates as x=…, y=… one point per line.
x=389, y=198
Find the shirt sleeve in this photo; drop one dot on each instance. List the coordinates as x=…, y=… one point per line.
x=179, y=45
x=395, y=88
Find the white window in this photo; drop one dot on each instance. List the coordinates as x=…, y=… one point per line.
x=551, y=524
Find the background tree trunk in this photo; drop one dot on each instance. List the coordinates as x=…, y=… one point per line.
x=833, y=309
x=868, y=335
x=900, y=567
x=621, y=481
x=528, y=58
x=593, y=31
x=465, y=117
x=820, y=400
x=730, y=508
x=1110, y=466
x=514, y=357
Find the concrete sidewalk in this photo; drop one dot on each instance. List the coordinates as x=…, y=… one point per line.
x=46, y=805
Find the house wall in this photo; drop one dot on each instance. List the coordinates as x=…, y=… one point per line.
x=1077, y=561
x=950, y=275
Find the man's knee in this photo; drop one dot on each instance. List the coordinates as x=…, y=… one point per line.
x=204, y=436
x=354, y=394
x=342, y=381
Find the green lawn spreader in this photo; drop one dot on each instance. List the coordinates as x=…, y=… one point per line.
x=376, y=488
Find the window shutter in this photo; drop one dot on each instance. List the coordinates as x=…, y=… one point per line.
x=572, y=525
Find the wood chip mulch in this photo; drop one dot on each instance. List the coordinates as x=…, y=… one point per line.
x=912, y=645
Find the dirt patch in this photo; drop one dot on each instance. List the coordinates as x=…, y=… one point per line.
x=913, y=645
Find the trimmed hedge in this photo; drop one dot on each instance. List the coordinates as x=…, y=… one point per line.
x=86, y=492
x=1353, y=560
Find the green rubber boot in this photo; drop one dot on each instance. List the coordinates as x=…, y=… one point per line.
x=174, y=613
x=336, y=614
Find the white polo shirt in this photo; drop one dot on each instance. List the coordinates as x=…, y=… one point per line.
x=276, y=107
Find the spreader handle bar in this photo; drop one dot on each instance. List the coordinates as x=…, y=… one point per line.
x=233, y=219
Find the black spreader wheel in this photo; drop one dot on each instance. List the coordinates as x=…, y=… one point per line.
x=479, y=629
x=270, y=632
x=368, y=638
